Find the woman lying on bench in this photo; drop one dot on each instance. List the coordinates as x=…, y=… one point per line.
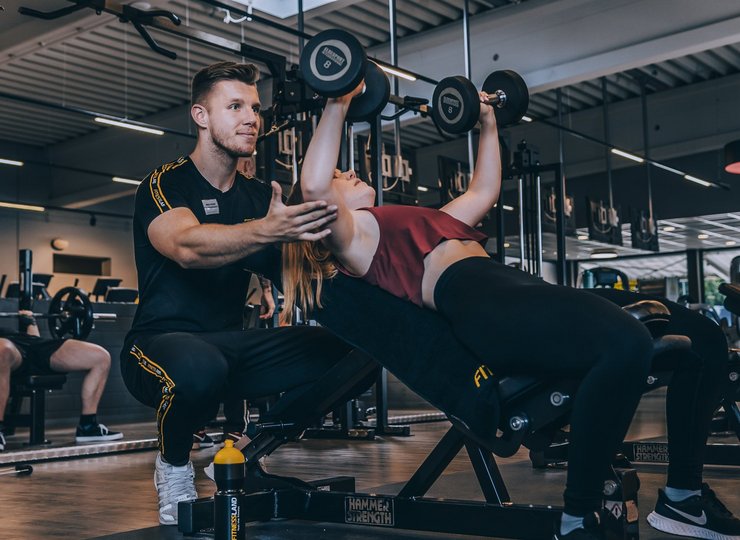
x=513, y=322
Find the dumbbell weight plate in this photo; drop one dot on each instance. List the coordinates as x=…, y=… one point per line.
x=517, y=96
x=455, y=105
x=368, y=105
x=77, y=310
x=333, y=63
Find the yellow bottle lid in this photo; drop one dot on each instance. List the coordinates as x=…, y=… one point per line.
x=228, y=455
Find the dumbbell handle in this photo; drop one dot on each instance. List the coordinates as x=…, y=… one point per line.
x=497, y=99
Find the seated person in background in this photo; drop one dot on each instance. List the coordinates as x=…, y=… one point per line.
x=30, y=354
x=514, y=322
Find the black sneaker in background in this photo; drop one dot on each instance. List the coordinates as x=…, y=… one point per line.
x=2, y=441
x=700, y=516
x=96, y=433
x=201, y=439
x=591, y=530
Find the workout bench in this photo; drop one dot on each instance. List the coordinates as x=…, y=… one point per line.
x=531, y=410
x=35, y=388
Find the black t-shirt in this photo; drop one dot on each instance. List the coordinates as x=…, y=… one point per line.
x=172, y=298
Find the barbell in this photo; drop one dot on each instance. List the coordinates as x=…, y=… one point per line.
x=70, y=314
x=334, y=62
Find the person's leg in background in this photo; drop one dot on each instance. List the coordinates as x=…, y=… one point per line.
x=234, y=428
x=10, y=360
x=235, y=414
x=182, y=377
x=694, y=393
x=94, y=360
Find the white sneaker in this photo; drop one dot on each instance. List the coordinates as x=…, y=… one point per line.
x=174, y=484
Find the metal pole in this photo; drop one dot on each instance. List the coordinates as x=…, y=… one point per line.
x=466, y=48
x=560, y=199
x=351, y=146
x=521, y=220
x=538, y=221
x=294, y=159
x=500, y=236
x=25, y=279
x=301, y=37
x=695, y=274
x=344, y=149
x=396, y=165
x=646, y=140
x=607, y=139
x=376, y=159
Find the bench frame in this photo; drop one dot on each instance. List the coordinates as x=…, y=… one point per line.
x=34, y=387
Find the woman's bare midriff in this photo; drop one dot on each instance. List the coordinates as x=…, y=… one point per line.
x=442, y=257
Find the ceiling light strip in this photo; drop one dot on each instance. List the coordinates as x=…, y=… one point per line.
x=128, y=125
x=18, y=206
x=11, y=162
x=121, y=180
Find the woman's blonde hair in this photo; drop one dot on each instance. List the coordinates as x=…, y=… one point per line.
x=303, y=263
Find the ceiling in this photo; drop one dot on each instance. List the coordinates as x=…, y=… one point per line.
x=102, y=65
x=98, y=64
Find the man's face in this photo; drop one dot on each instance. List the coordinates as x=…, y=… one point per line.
x=233, y=117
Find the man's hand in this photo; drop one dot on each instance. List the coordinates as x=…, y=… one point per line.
x=267, y=304
x=27, y=318
x=305, y=221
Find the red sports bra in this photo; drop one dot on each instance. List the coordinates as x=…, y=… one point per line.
x=407, y=235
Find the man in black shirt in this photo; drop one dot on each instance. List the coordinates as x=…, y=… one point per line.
x=198, y=227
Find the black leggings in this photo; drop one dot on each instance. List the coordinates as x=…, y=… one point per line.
x=694, y=391
x=186, y=376
x=517, y=324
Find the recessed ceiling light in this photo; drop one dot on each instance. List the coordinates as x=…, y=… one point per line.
x=604, y=253
x=703, y=236
x=730, y=243
x=583, y=237
x=507, y=245
x=669, y=229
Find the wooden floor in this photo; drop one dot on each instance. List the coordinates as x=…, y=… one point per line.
x=93, y=498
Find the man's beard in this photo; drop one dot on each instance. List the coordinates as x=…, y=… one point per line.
x=230, y=151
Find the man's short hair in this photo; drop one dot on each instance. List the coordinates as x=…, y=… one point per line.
x=207, y=77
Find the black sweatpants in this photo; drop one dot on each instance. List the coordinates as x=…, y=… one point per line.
x=695, y=390
x=517, y=324
x=186, y=376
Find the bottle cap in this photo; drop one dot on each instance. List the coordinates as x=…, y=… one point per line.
x=228, y=455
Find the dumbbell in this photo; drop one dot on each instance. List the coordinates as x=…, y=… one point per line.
x=333, y=63
x=456, y=101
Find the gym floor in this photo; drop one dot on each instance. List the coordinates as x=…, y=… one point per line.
x=113, y=497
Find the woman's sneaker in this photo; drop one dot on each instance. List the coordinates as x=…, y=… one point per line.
x=2, y=441
x=201, y=439
x=96, y=433
x=591, y=530
x=699, y=516
x=174, y=484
